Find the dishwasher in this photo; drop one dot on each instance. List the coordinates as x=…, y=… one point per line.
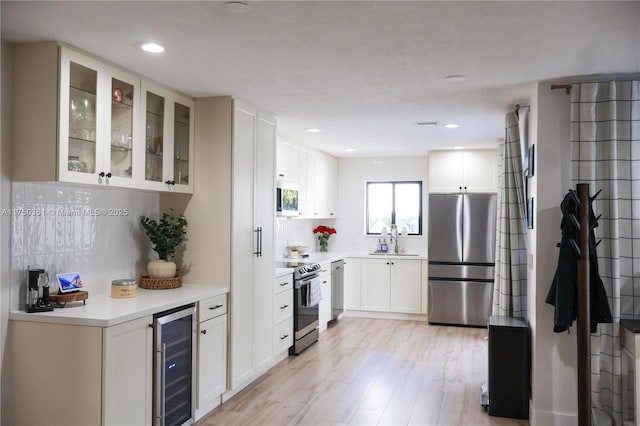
x=337, y=291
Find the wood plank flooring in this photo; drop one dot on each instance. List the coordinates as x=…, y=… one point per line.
x=372, y=372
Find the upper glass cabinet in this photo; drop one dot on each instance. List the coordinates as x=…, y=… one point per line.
x=98, y=117
x=97, y=124
x=169, y=139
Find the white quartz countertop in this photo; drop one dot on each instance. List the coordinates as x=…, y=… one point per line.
x=105, y=311
x=322, y=257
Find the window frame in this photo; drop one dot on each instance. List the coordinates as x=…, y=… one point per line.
x=393, y=184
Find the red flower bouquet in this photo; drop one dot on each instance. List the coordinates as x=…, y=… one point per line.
x=324, y=232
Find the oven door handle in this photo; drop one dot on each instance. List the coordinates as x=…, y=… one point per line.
x=306, y=281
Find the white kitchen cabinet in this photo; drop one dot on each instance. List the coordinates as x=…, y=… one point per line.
x=406, y=285
x=212, y=354
x=463, y=171
x=321, y=186
x=375, y=284
x=253, y=245
x=324, y=307
x=99, y=115
x=128, y=373
x=283, y=315
x=352, y=284
x=168, y=136
x=316, y=174
x=391, y=285
x=96, y=376
x=287, y=164
x=90, y=127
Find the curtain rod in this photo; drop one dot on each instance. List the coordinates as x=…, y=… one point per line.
x=566, y=87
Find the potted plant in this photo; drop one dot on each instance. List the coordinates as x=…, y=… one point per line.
x=165, y=235
x=324, y=232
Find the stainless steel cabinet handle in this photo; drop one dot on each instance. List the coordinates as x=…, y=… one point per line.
x=284, y=337
x=215, y=307
x=284, y=306
x=258, y=232
x=284, y=283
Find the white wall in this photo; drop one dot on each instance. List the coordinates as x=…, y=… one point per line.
x=290, y=232
x=554, y=355
x=354, y=173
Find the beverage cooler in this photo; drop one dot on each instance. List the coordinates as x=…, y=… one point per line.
x=174, y=367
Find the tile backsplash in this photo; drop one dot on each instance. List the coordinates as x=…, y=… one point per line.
x=75, y=228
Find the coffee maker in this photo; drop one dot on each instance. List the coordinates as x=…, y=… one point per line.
x=38, y=278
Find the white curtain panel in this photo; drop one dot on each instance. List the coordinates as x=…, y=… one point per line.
x=510, y=285
x=605, y=146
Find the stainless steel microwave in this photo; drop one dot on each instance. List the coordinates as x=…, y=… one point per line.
x=287, y=198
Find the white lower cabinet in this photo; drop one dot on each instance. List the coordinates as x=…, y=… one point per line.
x=212, y=354
x=388, y=285
x=104, y=375
x=375, y=285
x=283, y=315
x=128, y=372
x=406, y=284
x=324, y=307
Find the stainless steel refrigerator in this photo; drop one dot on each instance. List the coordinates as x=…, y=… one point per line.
x=461, y=255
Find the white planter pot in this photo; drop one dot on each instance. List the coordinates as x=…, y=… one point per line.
x=161, y=269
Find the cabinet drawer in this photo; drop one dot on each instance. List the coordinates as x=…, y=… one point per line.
x=283, y=336
x=283, y=283
x=283, y=308
x=212, y=307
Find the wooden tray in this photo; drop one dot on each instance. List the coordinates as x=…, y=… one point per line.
x=62, y=299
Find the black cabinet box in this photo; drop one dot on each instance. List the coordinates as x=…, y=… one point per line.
x=509, y=367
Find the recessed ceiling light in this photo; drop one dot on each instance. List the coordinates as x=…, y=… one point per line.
x=458, y=147
x=312, y=130
x=456, y=78
x=451, y=126
x=350, y=150
x=152, y=47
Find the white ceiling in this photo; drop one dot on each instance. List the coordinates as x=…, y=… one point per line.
x=364, y=72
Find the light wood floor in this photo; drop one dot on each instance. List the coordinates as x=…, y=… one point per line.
x=368, y=372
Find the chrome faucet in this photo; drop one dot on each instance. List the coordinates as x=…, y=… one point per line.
x=394, y=237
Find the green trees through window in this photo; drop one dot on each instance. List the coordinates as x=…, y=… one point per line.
x=394, y=202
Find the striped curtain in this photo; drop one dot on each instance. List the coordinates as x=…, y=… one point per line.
x=605, y=146
x=510, y=285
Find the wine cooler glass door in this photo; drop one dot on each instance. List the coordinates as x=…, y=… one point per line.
x=174, y=367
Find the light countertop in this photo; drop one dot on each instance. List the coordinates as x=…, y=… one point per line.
x=324, y=257
x=105, y=311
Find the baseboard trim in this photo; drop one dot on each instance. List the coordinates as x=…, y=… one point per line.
x=386, y=315
x=546, y=418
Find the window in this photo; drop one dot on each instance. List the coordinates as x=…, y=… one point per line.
x=394, y=202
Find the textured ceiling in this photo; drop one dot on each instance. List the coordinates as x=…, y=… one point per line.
x=364, y=72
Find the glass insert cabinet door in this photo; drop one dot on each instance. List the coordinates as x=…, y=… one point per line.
x=122, y=126
x=83, y=86
x=181, y=138
x=168, y=136
x=154, y=137
x=98, y=116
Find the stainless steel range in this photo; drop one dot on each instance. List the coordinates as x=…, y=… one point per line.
x=306, y=296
